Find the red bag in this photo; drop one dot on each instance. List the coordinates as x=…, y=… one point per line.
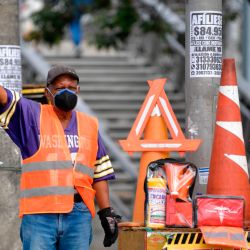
x=213, y=210
x=178, y=213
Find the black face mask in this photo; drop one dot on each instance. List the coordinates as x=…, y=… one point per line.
x=65, y=99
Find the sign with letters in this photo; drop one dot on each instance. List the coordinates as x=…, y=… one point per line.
x=10, y=67
x=205, y=43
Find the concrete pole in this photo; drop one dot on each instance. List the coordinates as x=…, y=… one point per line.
x=10, y=77
x=246, y=40
x=202, y=77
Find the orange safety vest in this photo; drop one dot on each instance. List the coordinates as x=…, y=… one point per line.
x=224, y=236
x=49, y=177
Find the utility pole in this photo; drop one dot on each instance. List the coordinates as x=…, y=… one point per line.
x=10, y=77
x=202, y=77
x=245, y=40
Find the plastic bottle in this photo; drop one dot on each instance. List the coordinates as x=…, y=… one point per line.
x=156, y=206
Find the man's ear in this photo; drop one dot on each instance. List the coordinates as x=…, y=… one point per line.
x=78, y=89
x=47, y=94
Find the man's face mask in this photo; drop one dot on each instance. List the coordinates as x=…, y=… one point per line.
x=65, y=99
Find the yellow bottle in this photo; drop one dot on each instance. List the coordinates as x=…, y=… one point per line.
x=156, y=206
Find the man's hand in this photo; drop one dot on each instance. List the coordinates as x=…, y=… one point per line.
x=109, y=220
x=3, y=96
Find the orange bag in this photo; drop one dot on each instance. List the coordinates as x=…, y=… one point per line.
x=178, y=213
x=180, y=179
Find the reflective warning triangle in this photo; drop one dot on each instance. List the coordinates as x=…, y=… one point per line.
x=156, y=97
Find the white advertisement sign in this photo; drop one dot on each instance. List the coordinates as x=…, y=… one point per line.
x=10, y=67
x=205, y=43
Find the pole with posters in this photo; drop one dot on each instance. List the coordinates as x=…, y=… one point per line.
x=245, y=41
x=10, y=77
x=202, y=78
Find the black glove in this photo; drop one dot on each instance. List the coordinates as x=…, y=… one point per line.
x=109, y=220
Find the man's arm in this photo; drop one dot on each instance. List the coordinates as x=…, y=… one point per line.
x=102, y=194
x=109, y=219
x=19, y=117
x=3, y=96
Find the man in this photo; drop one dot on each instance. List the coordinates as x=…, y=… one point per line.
x=65, y=165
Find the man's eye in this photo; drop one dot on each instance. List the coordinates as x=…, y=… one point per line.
x=72, y=88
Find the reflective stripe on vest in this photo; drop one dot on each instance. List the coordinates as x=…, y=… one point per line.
x=53, y=165
x=36, y=192
x=46, y=165
x=84, y=170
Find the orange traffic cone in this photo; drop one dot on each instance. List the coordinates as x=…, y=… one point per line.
x=155, y=118
x=154, y=130
x=228, y=166
x=179, y=178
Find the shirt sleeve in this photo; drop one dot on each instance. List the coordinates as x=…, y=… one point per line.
x=19, y=118
x=7, y=111
x=103, y=166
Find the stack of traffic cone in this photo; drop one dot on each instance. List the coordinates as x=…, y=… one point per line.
x=228, y=166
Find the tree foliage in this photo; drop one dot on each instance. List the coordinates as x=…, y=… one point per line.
x=114, y=28
x=113, y=23
x=49, y=25
x=50, y=22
